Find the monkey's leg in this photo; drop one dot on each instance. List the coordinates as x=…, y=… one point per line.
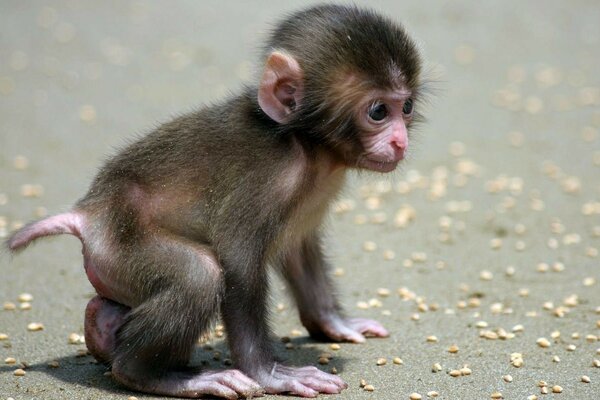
x=305, y=270
x=103, y=318
x=245, y=316
x=181, y=287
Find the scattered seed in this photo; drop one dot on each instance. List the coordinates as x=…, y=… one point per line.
x=25, y=306
x=543, y=342
x=19, y=372
x=455, y=373
x=35, y=326
x=556, y=359
x=532, y=397
x=432, y=339
x=369, y=388
x=132, y=398
x=397, y=361
x=437, y=367
x=507, y=378
x=497, y=395
x=53, y=364
x=335, y=346
x=571, y=347
x=8, y=306
x=3, y=336
x=415, y=396
x=333, y=370
x=544, y=390
x=465, y=371
x=381, y=361
x=585, y=379
x=369, y=246
x=323, y=360
x=10, y=360
x=433, y=393
x=596, y=363
x=557, y=389
x=25, y=298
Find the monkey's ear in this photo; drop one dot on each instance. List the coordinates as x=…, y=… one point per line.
x=281, y=88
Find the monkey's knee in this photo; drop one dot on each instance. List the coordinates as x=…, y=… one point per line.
x=103, y=318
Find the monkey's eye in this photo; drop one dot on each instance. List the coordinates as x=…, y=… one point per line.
x=378, y=112
x=408, y=107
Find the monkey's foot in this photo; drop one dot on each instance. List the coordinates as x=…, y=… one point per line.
x=228, y=384
x=305, y=381
x=346, y=329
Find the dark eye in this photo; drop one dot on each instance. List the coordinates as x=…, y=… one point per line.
x=408, y=107
x=378, y=112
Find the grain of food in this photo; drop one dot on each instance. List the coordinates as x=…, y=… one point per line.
x=9, y=306
x=453, y=349
x=497, y=395
x=35, y=326
x=433, y=393
x=369, y=388
x=415, y=396
x=25, y=298
x=585, y=379
x=455, y=373
x=397, y=361
x=437, y=367
x=557, y=389
x=10, y=360
x=19, y=372
x=543, y=342
x=3, y=336
x=381, y=361
x=335, y=346
x=507, y=378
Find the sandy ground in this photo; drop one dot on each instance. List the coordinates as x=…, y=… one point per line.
x=487, y=239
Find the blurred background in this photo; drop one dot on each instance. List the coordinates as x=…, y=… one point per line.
x=494, y=218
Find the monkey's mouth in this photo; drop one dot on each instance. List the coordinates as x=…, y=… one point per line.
x=379, y=165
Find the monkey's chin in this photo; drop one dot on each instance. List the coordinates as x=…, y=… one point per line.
x=378, y=166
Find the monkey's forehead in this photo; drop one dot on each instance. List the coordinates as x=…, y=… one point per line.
x=333, y=37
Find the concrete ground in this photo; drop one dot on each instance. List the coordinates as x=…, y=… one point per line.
x=486, y=240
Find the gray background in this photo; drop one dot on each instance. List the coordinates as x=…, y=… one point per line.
x=514, y=83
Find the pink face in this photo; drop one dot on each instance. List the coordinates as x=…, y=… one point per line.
x=384, y=120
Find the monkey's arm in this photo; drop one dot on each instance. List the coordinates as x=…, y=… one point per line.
x=306, y=272
x=245, y=316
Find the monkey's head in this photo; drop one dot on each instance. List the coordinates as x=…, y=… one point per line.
x=345, y=78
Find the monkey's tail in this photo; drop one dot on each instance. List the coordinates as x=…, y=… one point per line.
x=70, y=222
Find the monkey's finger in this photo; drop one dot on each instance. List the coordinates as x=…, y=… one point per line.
x=322, y=386
x=296, y=387
x=242, y=384
x=369, y=327
x=314, y=372
x=218, y=390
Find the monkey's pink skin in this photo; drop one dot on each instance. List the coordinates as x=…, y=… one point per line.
x=305, y=381
x=345, y=329
x=104, y=317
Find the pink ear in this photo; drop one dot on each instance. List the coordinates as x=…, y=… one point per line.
x=280, y=89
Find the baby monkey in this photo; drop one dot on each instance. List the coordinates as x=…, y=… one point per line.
x=181, y=225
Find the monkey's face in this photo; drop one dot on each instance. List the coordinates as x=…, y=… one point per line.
x=382, y=122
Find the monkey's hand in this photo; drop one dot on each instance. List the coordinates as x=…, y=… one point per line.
x=305, y=381
x=344, y=329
